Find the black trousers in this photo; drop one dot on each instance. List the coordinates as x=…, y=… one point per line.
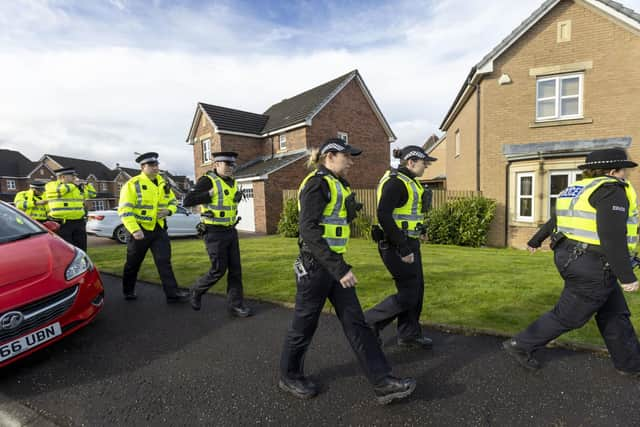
x=589, y=288
x=158, y=241
x=224, y=252
x=312, y=292
x=406, y=305
x=73, y=231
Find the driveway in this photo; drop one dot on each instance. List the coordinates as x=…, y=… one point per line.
x=149, y=363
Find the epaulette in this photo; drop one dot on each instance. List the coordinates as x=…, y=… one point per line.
x=393, y=172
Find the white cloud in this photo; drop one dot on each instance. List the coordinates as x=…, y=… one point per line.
x=105, y=92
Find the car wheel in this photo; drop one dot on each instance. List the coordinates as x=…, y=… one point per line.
x=121, y=234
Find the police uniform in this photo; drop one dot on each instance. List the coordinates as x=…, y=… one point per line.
x=596, y=229
x=65, y=202
x=218, y=197
x=324, y=234
x=141, y=199
x=401, y=214
x=27, y=201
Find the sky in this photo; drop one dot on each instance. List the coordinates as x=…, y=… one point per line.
x=103, y=79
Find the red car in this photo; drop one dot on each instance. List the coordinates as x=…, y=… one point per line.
x=48, y=288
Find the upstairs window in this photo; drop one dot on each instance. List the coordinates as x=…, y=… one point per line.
x=344, y=136
x=104, y=186
x=283, y=142
x=206, y=150
x=559, y=97
x=11, y=184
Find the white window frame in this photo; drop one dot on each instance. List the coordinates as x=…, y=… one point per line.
x=572, y=179
x=98, y=205
x=558, y=98
x=206, y=150
x=11, y=184
x=519, y=196
x=458, y=143
x=343, y=136
x=282, y=141
x=104, y=186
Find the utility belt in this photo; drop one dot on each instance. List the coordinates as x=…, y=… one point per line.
x=304, y=263
x=63, y=221
x=577, y=249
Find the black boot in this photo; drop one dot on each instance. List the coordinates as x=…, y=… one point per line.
x=392, y=388
x=520, y=355
x=181, y=295
x=302, y=388
x=419, y=342
x=196, y=300
x=240, y=311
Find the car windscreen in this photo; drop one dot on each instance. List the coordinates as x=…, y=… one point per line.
x=15, y=225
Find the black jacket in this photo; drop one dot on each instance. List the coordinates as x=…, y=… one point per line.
x=394, y=195
x=199, y=194
x=612, y=210
x=313, y=199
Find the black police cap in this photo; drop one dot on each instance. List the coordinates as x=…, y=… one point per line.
x=149, y=157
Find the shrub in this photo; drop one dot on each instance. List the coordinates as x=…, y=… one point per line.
x=288, y=224
x=361, y=226
x=463, y=222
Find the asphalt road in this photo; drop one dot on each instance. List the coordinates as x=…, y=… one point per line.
x=148, y=363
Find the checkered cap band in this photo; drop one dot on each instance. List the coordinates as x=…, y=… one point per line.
x=332, y=146
x=414, y=153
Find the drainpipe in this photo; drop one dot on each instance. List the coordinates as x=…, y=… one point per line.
x=477, y=87
x=506, y=204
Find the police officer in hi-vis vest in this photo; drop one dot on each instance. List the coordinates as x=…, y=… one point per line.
x=66, y=206
x=402, y=204
x=31, y=201
x=596, y=229
x=145, y=201
x=327, y=206
x=218, y=194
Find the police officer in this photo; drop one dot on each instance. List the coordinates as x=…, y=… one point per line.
x=596, y=224
x=326, y=207
x=218, y=195
x=401, y=213
x=145, y=202
x=31, y=201
x=66, y=206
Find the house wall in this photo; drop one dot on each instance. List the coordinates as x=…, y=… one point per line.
x=437, y=168
x=461, y=169
x=204, y=131
x=350, y=112
x=508, y=111
x=296, y=140
x=246, y=147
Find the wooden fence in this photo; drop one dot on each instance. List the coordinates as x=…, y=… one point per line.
x=367, y=197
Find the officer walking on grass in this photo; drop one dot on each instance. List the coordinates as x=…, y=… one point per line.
x=218, y=194
x=327, y=206
x=145, y=201
x=66, y=206
x=596, y=230
x=31, y=201
x=402, y=204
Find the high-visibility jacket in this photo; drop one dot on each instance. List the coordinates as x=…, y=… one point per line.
x=65, y=201
x=410, y=216
x=26, y=202
x=576, y=218
x=140, y=200
x=334, y=222
x=90, y=191
x=222, y=210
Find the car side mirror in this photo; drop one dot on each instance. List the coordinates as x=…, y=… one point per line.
x=52, y=226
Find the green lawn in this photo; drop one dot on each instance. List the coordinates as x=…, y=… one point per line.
x=497, y=289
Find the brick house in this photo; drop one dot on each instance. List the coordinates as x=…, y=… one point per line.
x=563, y=83
x=273, y=146
x=17, y=172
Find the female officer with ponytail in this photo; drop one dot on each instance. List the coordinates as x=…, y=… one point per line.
x=401, y=213
x=322, y=273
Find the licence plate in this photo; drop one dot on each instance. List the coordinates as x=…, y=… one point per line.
x=27, y=342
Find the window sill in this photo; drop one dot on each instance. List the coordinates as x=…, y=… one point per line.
x=560, y=123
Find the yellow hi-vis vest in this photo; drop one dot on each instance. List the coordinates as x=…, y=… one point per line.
x=89, y=191
x=26, y=202
x=410, y=215
x=577, y=218
x=334, y=223
x=65, y=201
x=140, y=200
x=223, y=209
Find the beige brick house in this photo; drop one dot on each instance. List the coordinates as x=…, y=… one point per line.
x=563, y=83
x=273, y=146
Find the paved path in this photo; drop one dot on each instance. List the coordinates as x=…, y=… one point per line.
x=148, y=363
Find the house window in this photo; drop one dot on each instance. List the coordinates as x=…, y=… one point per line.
x=11, y=184
x=206, y=150
x=458, y=143
x=98, y=205
x=104, y=186
x=558, y=181
x=524, y=202
x=283, y=142
x=559, y=97
x=344, y=136
x=119, y=188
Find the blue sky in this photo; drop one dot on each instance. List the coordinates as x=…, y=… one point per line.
x=100, y=79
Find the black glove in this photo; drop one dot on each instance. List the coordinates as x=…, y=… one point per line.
x=238, y=196
x=352, y=207
x=427, y=198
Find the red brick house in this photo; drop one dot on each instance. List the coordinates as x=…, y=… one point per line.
x=273, y=146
